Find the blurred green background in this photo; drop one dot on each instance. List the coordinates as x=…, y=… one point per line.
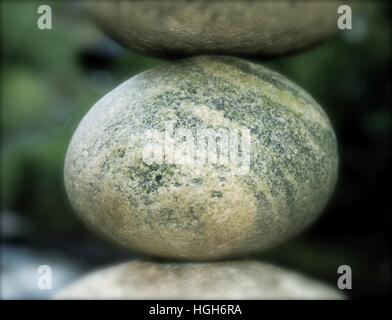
x=50, y=78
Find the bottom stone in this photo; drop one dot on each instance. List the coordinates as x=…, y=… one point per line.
x=218, y=280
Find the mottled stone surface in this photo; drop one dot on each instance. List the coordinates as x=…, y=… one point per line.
x=240, y=28
x=219, y=280
x=205, y=211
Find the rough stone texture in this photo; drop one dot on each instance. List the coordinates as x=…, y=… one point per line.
x=218, y=280
x=240, y=28
x=202, y=211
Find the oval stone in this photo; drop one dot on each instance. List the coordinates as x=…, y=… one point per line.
x=219, y=280
x=175, y=28
x=202, y=158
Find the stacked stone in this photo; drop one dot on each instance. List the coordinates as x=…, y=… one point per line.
x=148, y=167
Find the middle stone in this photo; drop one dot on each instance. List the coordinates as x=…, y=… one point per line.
x=202, y=158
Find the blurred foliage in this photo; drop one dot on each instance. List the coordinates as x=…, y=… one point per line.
x=50, y=78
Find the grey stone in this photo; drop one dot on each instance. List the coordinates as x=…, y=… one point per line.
x=218, y=280
x=175, y=28
x=177, y=208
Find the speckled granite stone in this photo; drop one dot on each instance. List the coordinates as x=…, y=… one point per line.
x=218, y=280
x=175, y=28
x=205, y=211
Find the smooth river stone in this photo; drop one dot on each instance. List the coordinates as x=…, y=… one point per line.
x=180, y=28
x=173, y=206
x=218, y=280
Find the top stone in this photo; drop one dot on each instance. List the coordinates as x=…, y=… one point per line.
x=178, y=28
